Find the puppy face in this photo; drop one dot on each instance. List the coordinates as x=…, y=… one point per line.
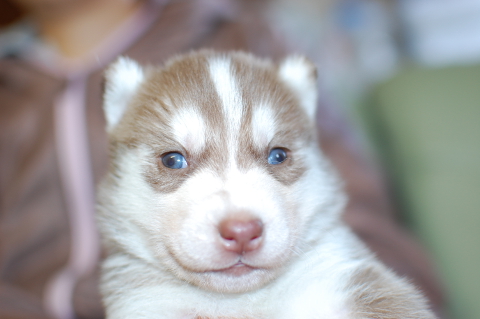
x=215, y=174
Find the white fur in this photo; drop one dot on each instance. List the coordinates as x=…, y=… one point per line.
x=135, y=201
x=189, y=129
x=263, y=125
x=226, y=87
x=298, y=74
x=122, y=81
x=212, y=201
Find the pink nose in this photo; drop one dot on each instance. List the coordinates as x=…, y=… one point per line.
x=241, y=235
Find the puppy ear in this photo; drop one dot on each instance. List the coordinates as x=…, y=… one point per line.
x=122, y=79
x=300, y=74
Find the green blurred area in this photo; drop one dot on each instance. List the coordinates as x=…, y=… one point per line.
x=425, y=124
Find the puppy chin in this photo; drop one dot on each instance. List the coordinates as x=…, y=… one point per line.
x=230, y=273
x=233, y=277
x=233, y=280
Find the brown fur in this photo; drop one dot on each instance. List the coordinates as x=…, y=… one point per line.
x=378, y=294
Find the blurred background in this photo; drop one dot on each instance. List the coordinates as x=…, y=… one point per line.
x=408, y=74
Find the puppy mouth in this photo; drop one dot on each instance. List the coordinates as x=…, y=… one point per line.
x=238, y=269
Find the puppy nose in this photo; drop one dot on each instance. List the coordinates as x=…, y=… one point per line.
x=241, y=235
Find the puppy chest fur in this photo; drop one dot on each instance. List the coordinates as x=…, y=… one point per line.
x=219, y=204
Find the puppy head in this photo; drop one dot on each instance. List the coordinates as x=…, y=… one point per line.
x=215, y=176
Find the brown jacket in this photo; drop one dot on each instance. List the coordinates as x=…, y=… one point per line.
x=34, y=225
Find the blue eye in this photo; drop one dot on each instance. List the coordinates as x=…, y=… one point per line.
x=174, y=160
x=277, y=156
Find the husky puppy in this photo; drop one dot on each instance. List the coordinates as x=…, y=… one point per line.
x=219, y=204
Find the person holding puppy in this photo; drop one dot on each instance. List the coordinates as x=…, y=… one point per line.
x=53, y=148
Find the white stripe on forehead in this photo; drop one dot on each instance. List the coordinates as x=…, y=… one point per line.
x=188, y=128
x=232, y=104
x=263, y=125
